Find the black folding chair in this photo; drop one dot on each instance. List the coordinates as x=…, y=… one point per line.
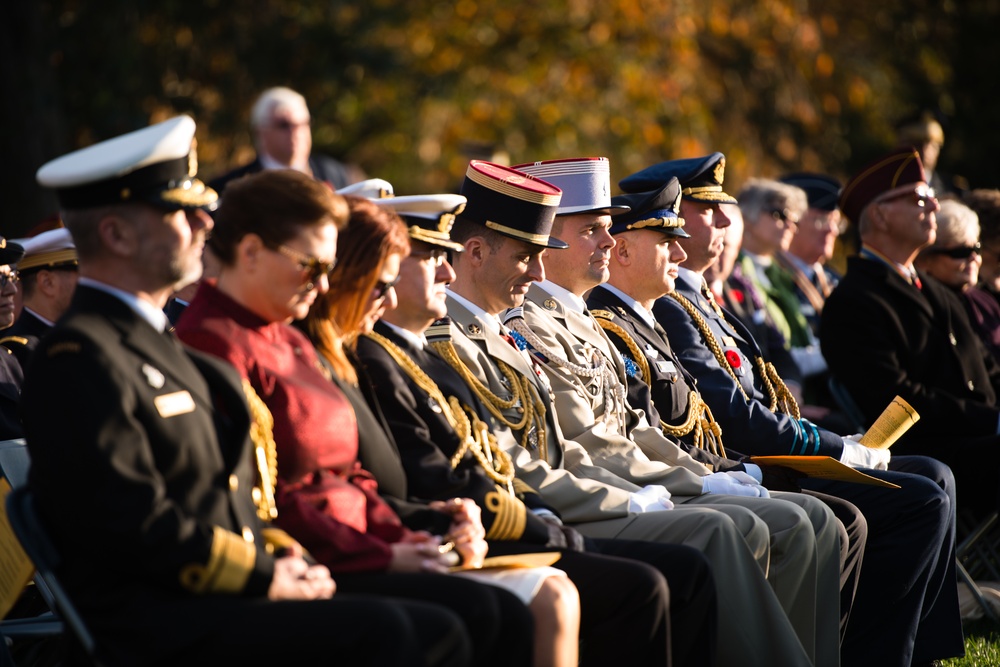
x=15, y=463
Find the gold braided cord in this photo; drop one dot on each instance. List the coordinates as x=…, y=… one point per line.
x=784, y=402
x=474, y=435
x=708, y=337
x=637, y=356
x=265, y=453
x=781, y=399
x=523, y=393
x=699, y=419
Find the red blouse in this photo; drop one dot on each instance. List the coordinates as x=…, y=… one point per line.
x=325, y=499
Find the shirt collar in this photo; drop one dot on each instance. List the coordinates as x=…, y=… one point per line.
x=634, y=305
x=39, y=317
x=492, y=322
x=417, y=341
x=564, y=296
x=147, y=311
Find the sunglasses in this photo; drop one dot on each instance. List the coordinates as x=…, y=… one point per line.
x=383, y=286
x=785, y=217
x=11, y=278
x=959, y=252
x=437, y=256
x=313, y=267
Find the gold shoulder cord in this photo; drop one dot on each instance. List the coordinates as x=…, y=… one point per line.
x=777, y=392
x=474, y=434
x=699, y=419
x=265, y=452
x=523, y=393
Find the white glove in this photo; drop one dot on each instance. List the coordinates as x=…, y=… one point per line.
x=857, y=455
x=652, y=498
x=754, y=471
x=734, y=483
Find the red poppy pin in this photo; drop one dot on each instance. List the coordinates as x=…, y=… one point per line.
x=733, y=357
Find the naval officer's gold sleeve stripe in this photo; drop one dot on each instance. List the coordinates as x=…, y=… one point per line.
x=229, y=565
x=510, y=516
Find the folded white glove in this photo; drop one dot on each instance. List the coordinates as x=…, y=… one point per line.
x=652, y=498
x=734, y=483
x=857, y=455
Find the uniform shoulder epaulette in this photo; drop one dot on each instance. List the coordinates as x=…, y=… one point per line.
x=439, y=331
x=603, y=314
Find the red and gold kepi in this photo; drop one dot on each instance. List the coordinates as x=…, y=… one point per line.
x=898, y=171
x=511, y=203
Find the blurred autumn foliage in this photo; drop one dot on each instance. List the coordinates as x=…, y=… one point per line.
x=403, y=88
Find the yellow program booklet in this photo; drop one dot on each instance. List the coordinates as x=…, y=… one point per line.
x=895, y=420
x=16, y=568
x=822, y=467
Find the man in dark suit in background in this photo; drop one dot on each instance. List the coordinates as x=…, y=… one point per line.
x=144, y=481
x=888, y=329
x=282, y=134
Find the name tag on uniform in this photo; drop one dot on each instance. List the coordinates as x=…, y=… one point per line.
x=666, y=367
x=729, y=341
x=177, y=403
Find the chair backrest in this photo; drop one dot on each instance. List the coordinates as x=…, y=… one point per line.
x=14, y=462
x=28, y=528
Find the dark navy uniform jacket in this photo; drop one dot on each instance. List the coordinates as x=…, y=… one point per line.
x=762, y=432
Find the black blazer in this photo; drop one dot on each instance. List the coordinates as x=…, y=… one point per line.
x=882, y=336
x=426, y=440
x=141, y=467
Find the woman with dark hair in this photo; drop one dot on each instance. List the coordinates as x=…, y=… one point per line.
x=276, y=239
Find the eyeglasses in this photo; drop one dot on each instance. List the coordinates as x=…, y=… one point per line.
x=11, y=278
x=437, y=256
x=285, y=124
x=313, y=267
x=921, y=193
x=785, y=217
x=958, y=252
x=383, y=286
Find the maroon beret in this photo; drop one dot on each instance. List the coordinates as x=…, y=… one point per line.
x=898, y=170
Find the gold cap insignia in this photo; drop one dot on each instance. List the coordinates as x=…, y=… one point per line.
x=720, y=171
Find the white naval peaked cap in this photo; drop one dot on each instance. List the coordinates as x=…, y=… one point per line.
x=429, y=218
x=372, y=188
x=156, y=165
x=48, y=249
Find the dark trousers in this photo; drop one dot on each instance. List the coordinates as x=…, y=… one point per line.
x=230, y=630
x=906, y=607
x=498, y=623
x=693, y=602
